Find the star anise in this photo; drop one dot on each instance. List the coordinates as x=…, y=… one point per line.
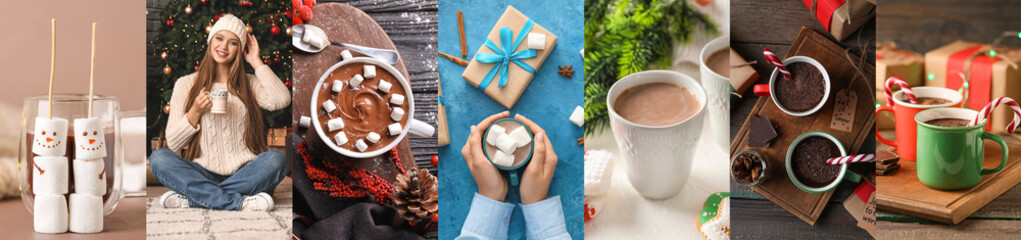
x=566, y=71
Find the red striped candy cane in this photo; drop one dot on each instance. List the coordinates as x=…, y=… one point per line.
x=904, y=87
x=988, y=111
x=865, y=157
x=771, y=58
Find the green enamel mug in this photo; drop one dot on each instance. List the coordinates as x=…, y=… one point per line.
x=951, y=158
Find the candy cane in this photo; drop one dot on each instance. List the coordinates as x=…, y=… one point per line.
x=771, y=58
x=988, y=110
x=865, y=157
x=904, y=87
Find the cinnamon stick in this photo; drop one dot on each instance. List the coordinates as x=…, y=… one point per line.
x=460, y=28
x=457, y=60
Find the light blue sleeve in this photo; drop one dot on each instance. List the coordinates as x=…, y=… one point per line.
x=545, y=219
x=488, y=219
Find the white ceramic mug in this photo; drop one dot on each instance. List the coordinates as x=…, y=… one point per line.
x=776, y=72
x=717, y=88
x=414, y=126
x=219, y=99
x=658, y=158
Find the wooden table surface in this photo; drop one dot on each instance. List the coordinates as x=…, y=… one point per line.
x=773, y=24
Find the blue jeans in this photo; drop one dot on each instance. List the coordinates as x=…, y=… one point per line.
x=210, y=190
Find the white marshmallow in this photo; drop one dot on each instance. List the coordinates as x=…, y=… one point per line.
x=304, y=121
x=494, y=132
x=346, y=54
x=329, y=106
x=369, y=71
x=521, y=137
x=360, y=144
x=582, y=52
x=536, y=41
x=86, y=213
x=373, y=137
x=90, y=176
x=50, y=137
x=384, y=86
x=501, y=158
x=335, y=124
x=89, y=138
x=397, y=114
x=394, y=129
x=308, y=35
x=315, y=37
x=578, y=116
x=506, y=143
x=356, y=81
x=49, y=174
x=397, y=99
x=337, y=86
x=341, y=138
x=50, y=213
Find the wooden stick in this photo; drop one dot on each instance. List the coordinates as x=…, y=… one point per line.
x=92, y=70
x=457, y=60
x=53, y=57
x=460, y=28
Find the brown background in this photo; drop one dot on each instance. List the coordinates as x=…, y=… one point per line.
x=120, y=49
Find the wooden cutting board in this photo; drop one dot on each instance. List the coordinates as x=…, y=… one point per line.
x=342, y=23
x=901, y=192
x=839, y=65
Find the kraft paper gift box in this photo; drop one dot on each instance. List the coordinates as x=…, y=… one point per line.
x=842, y=17
x=517, y=77
x=442, y=132
x=894, y=62
x=988, y=76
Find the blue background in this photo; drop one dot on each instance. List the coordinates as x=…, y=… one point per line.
x=548, y=100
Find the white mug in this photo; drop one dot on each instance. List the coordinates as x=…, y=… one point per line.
x=717, y=87
x=776, y=74
x=219, y=99
x=658, y=158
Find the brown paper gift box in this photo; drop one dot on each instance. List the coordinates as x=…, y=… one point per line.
x=442, y=132
x=894, y=62
x=847, y=18
x=518, y=78
x=742, y=74
x=1004, y=79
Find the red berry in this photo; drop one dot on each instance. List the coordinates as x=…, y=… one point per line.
x=435, y=161
x=295, y=4
x=310, y=3
x=305, y=12
x=436, y=217
x=296, y=21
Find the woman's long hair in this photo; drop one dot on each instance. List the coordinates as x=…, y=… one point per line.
x=237, y=80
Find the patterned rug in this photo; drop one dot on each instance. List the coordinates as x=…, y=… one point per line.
x=193, y=223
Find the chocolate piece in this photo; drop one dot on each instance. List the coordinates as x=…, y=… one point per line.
x=886, y=157
x=888, y=170
x=887, y=166
x=762, y=131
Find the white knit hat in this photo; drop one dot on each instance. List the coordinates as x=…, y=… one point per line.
x=228, y=22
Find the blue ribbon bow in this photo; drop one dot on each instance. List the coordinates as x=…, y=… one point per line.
x=503, y=56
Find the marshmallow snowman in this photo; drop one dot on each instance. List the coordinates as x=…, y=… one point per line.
x=50, y=137
x=88, y=139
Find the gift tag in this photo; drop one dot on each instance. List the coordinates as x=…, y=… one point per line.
x=845, y=102
x=868, y=218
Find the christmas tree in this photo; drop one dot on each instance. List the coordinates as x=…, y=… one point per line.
x=181, y=43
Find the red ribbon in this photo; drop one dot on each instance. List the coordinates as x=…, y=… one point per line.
x=824, y=10
x=864, y=190
x=981, y=76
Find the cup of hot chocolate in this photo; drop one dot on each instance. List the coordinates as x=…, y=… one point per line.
x=362, y=107
x=805, y=94
x=219, y=99
x=904, y=113
x=806, y=162
x=951, y=151
x=714, y=69
x=656, y=117
x=505, y=157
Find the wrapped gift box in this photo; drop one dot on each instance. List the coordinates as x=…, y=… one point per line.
x=842, y=17
x=894, y=62
x=442, y=133
x=990, y=76
x=742, y=75
x=517, y=77
x=276, y=137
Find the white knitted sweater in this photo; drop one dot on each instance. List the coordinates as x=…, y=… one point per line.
x=223, y=147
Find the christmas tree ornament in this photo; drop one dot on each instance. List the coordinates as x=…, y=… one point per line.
x=287, y=83
x=170, y=22
x=204, y=1
x=265, y=61
x=166, y=70
x=196, y=68
x=187, y=10
x=163, y=55
x=208, y=28
x=276, y=59
x=288, y=31
x=248, y=28
x=415, y=195
x=166, y=109
x=274, y=30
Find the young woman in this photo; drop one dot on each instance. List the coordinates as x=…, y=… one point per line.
x=225, y=162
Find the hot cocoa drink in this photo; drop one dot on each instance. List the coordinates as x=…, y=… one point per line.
x=364, y=107
x=802, y=93
x=656, y=104
x=521, y=149
x=719, y=62
x=932, y=101
x=808, y=162
x=949, y=122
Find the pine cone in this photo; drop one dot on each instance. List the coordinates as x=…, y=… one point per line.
x=415, y=195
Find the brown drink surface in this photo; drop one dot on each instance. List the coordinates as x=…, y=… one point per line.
x=656, y=104
x=70, y=154
x=932, y=101
x=520, y=153
x=364, y=110
x=804, y=92
x=809, y=162
x=719, y=62
x=949, y=122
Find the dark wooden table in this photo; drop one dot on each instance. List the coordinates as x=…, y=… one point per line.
x=773, y=24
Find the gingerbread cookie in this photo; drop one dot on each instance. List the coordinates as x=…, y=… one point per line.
x=714, y=220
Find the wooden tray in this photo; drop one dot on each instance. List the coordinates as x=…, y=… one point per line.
x=342, y=23
x=901, y=192
x=778, y=188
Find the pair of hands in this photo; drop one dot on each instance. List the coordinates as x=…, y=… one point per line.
x=201, y=103
x=538, y=174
